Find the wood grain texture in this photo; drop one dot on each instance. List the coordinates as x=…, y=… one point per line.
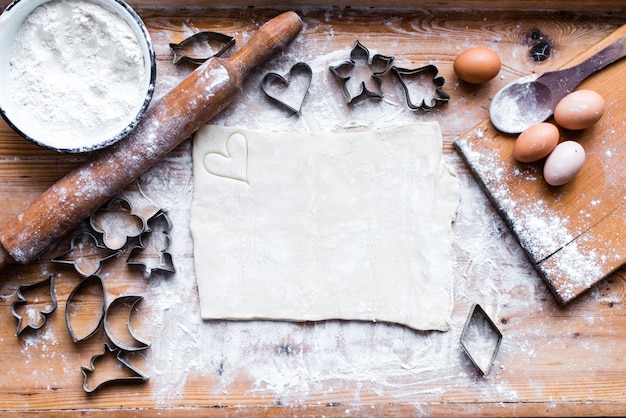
x=584, y=218
x=559, y=361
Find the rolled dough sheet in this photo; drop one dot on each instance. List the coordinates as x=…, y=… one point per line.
x=319, y=226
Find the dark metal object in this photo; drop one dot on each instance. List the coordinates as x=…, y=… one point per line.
x=275, y=87
x=405, y=76
x=184, y=51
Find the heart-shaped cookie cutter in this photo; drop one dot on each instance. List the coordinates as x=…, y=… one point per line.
x=276, y=86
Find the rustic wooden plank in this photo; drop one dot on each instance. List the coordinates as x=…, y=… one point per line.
x=584, y=217
x=543, y=341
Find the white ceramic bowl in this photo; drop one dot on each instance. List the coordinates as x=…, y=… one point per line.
x=26, y=124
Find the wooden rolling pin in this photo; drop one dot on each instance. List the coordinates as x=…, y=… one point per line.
x=181, y=112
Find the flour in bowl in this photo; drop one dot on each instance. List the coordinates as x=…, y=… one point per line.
x=77, y=72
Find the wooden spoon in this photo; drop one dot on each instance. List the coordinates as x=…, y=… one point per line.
x=532, y=99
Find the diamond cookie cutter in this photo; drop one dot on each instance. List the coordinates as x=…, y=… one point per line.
x=111, y=354
x=23, y=301
x=359, y=57
x=479, y=337
x=186, y=50
x=280, y=88
x=414, y=77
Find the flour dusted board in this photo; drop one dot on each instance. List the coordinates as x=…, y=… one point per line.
x=316, y=226
x=574, y=234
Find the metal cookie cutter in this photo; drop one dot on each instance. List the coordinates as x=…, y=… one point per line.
x=481, y=339
x=87, y=294
x=117, y=222
x=125, y=338
x=33, y=302
x=289, y=90
x=186, y=51
x=151, y=252
x=86, y=254
x=412, y=82
x=359, y=60
x=127, y=372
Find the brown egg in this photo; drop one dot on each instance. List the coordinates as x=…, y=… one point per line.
x=579, y=109
x=477, y=65
x=536, y=142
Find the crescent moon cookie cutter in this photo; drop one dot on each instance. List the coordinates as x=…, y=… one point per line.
x=481, y=339
x=134, y=342
x=193, y=50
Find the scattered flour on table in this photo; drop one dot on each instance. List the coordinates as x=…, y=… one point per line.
x=76, y=71
x=293, y=362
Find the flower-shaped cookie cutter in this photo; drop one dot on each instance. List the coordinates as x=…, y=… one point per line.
x=359, y=59
x=117, y=222
x=49, y=306
x=291, y=89
x=193, y=50
x=415, y=77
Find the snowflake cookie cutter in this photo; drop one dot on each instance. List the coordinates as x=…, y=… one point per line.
x=377, y=66
x=410, y=77
x=132, y=374
x=24, y=301
x=186, y=51
x=289, y=90
x=479, y=338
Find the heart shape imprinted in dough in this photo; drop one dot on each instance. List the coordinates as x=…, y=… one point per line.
x=289, y=91
x=233, y=164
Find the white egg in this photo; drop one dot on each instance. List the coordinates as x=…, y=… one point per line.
x=565, y=161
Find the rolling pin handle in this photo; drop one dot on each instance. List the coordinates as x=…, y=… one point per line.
x=272, y=37
x=5, y=259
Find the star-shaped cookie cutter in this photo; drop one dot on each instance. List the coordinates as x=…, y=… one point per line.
x=379, y=65
x=405, y=74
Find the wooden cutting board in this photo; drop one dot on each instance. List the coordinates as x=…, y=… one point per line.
x=574, y=234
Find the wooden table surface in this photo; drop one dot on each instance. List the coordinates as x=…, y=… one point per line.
x=553, y=360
